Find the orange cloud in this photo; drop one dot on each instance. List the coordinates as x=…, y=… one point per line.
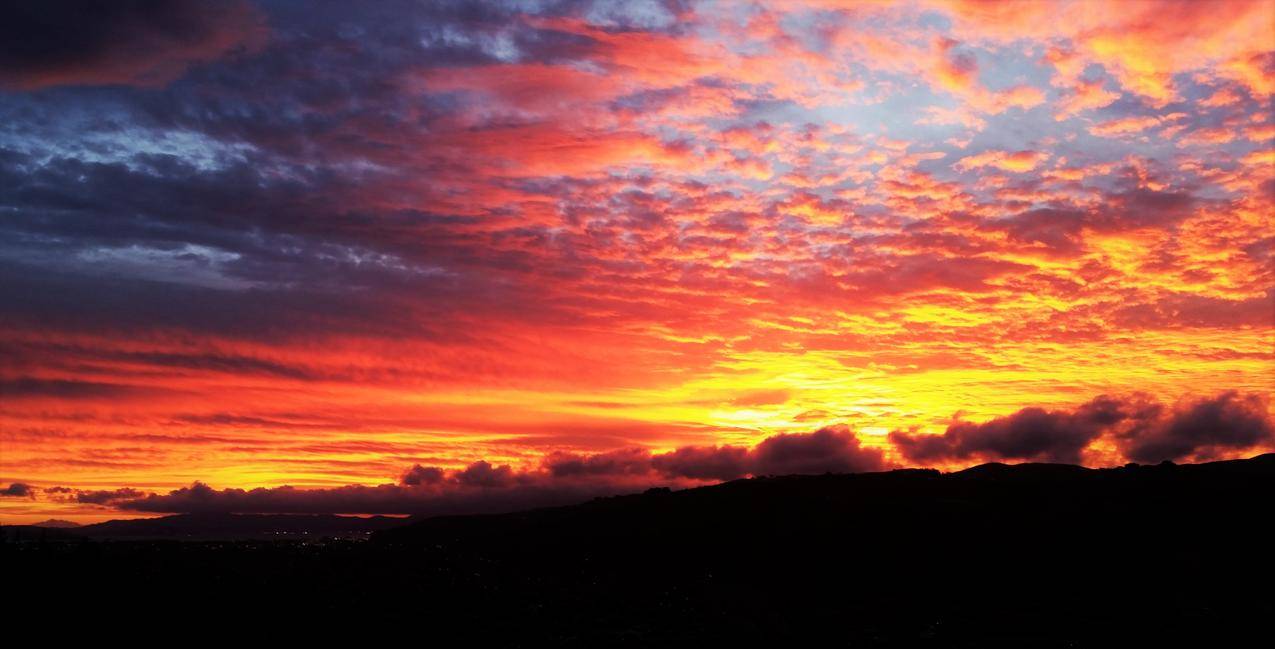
x=1125, y=126
x=1143, y=43
x=1015, y=161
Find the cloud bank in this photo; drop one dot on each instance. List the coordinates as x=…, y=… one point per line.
x=1226, y=425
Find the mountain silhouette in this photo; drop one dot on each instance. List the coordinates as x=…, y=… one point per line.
x=1035, y=555
x=56, y=522
x=238, y=526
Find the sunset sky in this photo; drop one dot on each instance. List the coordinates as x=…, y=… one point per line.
x=420, y=257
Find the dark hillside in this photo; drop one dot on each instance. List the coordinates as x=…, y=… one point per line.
x=995, y=556
x=239, y=526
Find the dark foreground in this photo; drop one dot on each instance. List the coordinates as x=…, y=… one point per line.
x=996, y=556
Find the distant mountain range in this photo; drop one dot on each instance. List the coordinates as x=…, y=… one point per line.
x=56, y=522
x=203, y=527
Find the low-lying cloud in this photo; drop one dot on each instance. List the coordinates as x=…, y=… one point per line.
x=18, y=490
x=560, y=478
x=1137, y=427
x=1203, y=429
x=1141, y=429
x=1029, y=434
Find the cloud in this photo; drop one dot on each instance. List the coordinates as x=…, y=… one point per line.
x=957, y=72
x=704, y=462
x=762, y=398
x=18, y=490
x=1202, y=429
x=484, y=474
x=30, y=387
x=561, y=478
x=1015, y=161
x=1142, y=429
x=1133, y=124
x=131, y=42
x=1030, y=434
x=422, y=475
x=624, y=461
x=1058, y=231
x=1143, y=44
x=108, y=497
x=832, y=449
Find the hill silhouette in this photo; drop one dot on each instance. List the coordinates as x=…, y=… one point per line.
x=58, y=523
x=239, y=526
x=995, y=556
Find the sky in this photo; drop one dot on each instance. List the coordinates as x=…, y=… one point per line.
x=433, y=257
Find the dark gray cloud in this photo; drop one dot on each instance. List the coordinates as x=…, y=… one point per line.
x=1201, y=430
x=28, y=387
x=135, y=42
x=18, y=490
x=422, y=475
x=624, y=461
x=834, y=449
x=108, y=496
x=1142, y=429
x=704, y=462
x=485, y=474
x=1030, y=434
